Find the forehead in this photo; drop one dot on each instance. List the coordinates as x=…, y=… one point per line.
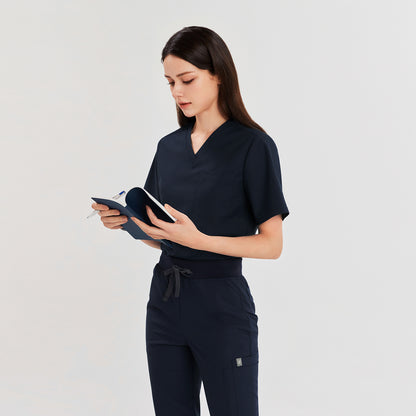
x=173, y=66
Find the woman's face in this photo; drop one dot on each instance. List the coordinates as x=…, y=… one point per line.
x=189, y=84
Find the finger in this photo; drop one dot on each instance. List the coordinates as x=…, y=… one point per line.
x=110, y=212
x=141, y=224
x=155, y=220
x=99, y=206
x=115, y=227
x=154, y=232
x=151, y=215
x=175, y=212
x=118, y=227
x=111, y=221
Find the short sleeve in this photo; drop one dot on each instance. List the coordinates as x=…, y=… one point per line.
x=152, y=181
x=263, y=181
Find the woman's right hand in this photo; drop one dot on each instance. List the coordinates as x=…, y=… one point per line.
x=111, y=218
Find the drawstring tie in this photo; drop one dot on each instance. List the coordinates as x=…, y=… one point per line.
x=173, y=274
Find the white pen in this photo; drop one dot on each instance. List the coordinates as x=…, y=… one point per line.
x=114, y=197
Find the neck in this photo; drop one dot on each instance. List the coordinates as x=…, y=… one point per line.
x=206, y=123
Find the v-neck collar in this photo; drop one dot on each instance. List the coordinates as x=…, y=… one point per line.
x=188, y=139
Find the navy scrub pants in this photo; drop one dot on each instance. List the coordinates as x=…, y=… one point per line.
x=201, y=325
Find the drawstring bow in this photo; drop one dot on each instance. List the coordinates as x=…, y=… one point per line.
x=173, y=274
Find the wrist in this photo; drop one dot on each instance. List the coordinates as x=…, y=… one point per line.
x=201, y=241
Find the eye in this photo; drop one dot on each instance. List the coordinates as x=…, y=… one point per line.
x=185, y=82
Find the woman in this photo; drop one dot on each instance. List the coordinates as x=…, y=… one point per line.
x=219, y=175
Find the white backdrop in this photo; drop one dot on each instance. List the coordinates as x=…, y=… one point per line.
x=83, y=103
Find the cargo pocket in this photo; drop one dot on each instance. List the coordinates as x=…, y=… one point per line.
x=242, y=375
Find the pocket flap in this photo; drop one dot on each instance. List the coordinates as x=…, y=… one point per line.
x=246, y=360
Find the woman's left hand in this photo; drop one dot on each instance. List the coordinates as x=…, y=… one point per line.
x=183, y=231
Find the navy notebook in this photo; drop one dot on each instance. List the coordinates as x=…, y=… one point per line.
x=135, y=206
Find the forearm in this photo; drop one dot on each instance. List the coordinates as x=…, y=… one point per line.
x=253, y=246
x=152, y=243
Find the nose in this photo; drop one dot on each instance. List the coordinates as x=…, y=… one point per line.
x=176, y=91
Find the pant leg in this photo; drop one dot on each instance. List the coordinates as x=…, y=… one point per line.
x=220, y=324
x=174, y=375
x=175, y=380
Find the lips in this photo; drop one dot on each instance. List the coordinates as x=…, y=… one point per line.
x=184, y=103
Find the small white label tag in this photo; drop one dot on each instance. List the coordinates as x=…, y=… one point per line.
x=239, y=362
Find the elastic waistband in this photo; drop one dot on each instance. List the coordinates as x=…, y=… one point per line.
x=203, y=268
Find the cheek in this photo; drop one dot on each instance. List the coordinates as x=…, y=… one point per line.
x=204, y=94
x=194, y=90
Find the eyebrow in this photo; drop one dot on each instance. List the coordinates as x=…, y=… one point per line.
x=182, y=73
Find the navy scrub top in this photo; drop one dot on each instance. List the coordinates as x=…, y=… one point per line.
x=230, y=186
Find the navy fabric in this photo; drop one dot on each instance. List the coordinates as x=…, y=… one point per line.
x=230, y=186
x=205, y=331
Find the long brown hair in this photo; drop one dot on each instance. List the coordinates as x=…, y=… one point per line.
x=205, y=49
